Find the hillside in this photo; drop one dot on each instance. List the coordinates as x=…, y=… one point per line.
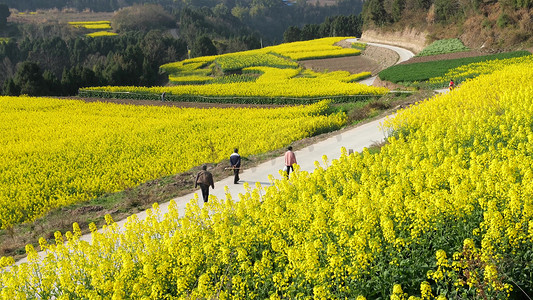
x=488, y=26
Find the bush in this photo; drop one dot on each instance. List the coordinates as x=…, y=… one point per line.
x=142, y=18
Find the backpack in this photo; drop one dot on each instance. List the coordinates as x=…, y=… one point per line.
x=202, y=177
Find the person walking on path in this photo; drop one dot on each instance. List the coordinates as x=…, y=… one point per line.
x=204, y=179
x=290, y=160
x=235, y=163
x=451, y=85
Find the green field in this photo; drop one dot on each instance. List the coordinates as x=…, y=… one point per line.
x=418, y=72
x=443, y=46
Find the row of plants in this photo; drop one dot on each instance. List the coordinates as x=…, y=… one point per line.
x=102, y=26
x=443, y=211
x=272, y=83
x=58, y=152
x=443, y=47
x=421, y=72
x=92, y=24
x=238, y=61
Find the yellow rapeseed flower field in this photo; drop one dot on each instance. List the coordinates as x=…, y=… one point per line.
x=270, y=62
x=443, y=211
x=57, y=152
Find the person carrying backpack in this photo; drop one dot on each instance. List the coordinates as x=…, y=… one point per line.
x=204, y=178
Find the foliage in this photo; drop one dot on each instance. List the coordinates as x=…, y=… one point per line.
x=266, y=19
x=116, y=60
x=333, y=26
x=58, y=152
x=203, y=46
x=443, y=46
x=443, y=211
x=359, y=45
x=142, y=18
x=417, y=72
x=4, y=14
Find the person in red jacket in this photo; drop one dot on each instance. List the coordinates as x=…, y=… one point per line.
x=290, y=160
x=451, y=86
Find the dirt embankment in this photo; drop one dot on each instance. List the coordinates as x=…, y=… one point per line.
x=373, y=59
x=409, y=38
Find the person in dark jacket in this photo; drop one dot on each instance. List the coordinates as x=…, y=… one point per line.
x=204, y=178
x=235, y=163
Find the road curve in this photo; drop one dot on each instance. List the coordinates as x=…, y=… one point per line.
x=355, y=139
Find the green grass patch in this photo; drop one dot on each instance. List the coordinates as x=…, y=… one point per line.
x=359, y=46
x=443, y=47
x=419, y=72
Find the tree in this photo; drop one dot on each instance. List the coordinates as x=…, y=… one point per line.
x=142, y=18
x=310, y=32
x=10, y=88
x=4, y=13
x=292, y=34
x=445, y=10
x=397, y=8
x=29, y=79
x=375, y=11
x=203, y=46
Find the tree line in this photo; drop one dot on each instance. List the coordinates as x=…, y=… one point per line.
x=57, y=59
x=53, y=66
x=333, y=26
x=268, y=17
x=384, y=12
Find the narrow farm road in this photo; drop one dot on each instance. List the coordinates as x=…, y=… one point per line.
x=403, y=54
x=357, y=138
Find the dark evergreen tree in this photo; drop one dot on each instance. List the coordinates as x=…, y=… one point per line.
x=10, y=88
x=29, y=79
x=310, y=32
x=375, y=11
x=4, y=13
x=203, y=46
x=292, y=34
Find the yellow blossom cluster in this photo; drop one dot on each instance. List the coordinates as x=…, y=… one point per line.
x=101, y=33
x=443, y=211
x=313, y=49
x=57, y=152
x=92, y=24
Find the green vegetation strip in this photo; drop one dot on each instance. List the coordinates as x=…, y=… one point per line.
x=426, y=70
x=443, y=47
x=234, y=100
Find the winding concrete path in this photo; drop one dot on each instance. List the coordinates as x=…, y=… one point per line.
x=403, y=54
x=357, y=138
